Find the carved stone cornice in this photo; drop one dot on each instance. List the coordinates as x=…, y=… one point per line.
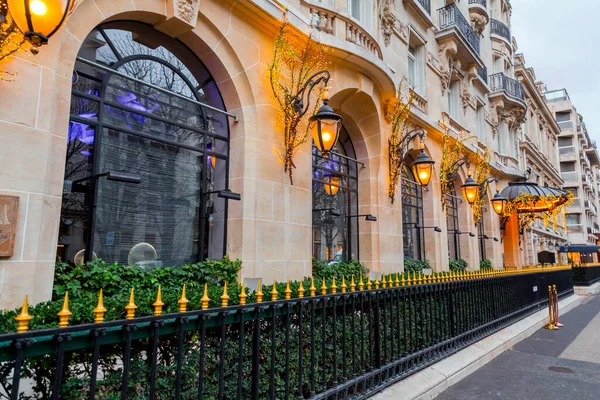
x=391, y=25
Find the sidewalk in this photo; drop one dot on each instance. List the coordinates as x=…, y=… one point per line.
x=548, y=365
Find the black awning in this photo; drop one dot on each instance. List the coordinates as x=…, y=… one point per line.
x=539, y=193
x=579, y=248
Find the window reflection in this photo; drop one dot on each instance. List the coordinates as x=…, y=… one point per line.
x=412, y=216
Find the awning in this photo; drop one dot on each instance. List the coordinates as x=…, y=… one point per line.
x=542, y=199
x=579, y=248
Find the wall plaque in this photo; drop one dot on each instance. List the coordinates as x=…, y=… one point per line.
x=9, y=207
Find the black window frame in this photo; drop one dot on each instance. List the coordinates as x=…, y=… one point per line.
x=412, y=200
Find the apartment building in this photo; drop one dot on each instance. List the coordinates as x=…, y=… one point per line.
x=579, y=163
x=458, y=56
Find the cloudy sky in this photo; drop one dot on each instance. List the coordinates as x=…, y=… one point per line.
x=560, y=41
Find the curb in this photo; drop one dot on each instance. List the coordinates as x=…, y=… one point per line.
x=587, y=290
x=433, y=380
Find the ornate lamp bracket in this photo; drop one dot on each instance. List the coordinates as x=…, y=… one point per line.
x=301, y=105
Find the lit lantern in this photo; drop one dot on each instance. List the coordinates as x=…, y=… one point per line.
x=499, y=203
x=423, y=168
x=39, y=19
x=470, y=190
x=325, y=126
x=332, y=184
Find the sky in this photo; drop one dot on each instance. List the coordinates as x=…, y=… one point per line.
x=560, y=41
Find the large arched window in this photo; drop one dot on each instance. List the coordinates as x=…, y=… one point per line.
x=453, y=224
x=412, y=216
x=173, y=149
x=335, y=202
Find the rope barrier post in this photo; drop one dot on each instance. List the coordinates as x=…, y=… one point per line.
x=550, y=324
x=555, y=292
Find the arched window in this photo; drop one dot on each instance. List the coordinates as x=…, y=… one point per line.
x=335, y=202
x=412, y=216
x=453, y=225
x=142, y=163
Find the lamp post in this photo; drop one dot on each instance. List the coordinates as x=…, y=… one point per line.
x=325, y=124
x=422, y=166
x=39, y=19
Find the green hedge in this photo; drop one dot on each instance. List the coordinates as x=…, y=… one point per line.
x=458, y=265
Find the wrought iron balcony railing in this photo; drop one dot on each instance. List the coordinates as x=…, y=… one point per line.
x=426, y=4
x=500, y=82
x=450, y=16
x=483, y=72
x=480, y=2
x=500, y=29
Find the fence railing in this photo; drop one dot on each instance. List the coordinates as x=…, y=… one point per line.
x=426, y=4
x=586, y=275
x=480, y=2
x=512, y=87
x=450, y=16
x=483, y=74
x=500, y=29
x=333, y=345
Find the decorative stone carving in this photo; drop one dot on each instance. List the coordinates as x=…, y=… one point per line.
x=478, y=22
x=187, y=9
x=513, y=117
x=391, y=25
x=434, y=63
x=447, y=53
x=182, y=16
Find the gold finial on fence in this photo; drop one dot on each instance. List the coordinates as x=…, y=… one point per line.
x=352, y=284
x=344, y=286
x=402, y=281
x=130, y=307
x=323, y=287
x=100, y=309
x=383, y=281
x=300, y=291
x=369, y=283
x=274, y=291
x=376, y=282
x=419, y=279
x=259, y=293
x=333, y=286
x=183, y=301
x=397, y=281
x=23, y=318
x=243, y=295
x=224, y=296
x=158, y=304
x=288, y=291
x=205, y=299
x=361, y=285
x=64, y=314
x=312, y=290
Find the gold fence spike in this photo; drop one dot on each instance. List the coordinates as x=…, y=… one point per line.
x=243, y=295
x=333, y=286
x=274, y=291
x=205, y=299
x=369, y=283
x=377, y=283
x=312, y=290
x=323, y=287
x=259, y=293
x=130, y=307
x=361, y=285
x=224, y=296
x=64, y=314
x=288, y=291
x=352, y=284
x=397, y=281
x=383, y=281
x=402, y=281
x=158, y=304
x=23, y=318
x=419, y=279
x=99, y=310
x=300, y=291
x=183, y=301
x=344, y=287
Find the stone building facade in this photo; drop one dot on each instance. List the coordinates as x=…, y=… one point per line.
x=459, y=58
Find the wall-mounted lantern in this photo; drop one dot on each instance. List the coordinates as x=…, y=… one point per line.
x=423, y=167
x=470, y=189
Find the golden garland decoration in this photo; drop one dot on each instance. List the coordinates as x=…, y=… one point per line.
x=401, y=110
x=295, y=59
x=11, y=38
x=527, y=218
x=480, y=175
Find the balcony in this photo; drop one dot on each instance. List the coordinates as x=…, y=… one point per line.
x=511, y=89
x=500, y=29
x=479, y=15
x=421, y=8
x=454, y=28
x=570, y=178
x=567, y=153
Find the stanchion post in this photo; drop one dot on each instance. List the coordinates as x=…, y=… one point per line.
x=550, y=324
x=555, y=298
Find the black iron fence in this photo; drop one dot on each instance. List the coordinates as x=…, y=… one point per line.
x=450, y=16
x=480, y=2
x=483, y=74
x=500, y=29
x=337, y=345
x=512, y=87
x=426, y=4
x=586, y=275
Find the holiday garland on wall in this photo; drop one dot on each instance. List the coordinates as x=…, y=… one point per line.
x=11, y=39
x=295, y=59
x=480, y=175
x=525, y=201
x=399, y=115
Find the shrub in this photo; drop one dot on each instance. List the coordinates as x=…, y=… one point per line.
x=458, y=265
x=322, y=269
x=415, y=265
x=485, y=264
